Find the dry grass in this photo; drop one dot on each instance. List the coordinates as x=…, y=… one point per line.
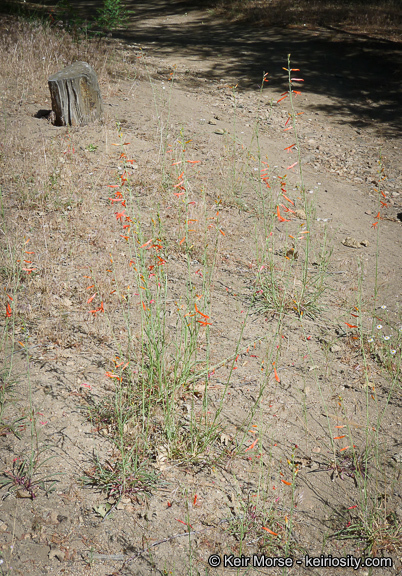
x=46, y=180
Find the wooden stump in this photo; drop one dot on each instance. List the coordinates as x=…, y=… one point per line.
x=76, y=97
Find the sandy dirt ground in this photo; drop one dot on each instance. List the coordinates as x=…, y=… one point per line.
x=185, y=93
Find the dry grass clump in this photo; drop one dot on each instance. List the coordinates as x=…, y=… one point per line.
x=31, y=52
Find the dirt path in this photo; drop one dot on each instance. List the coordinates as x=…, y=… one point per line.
x=351, y=91
x=351, y=97
x=351, y=77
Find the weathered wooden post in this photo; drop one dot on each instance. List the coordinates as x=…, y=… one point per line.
x=76, y=97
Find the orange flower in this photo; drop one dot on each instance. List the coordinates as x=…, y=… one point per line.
x=251, y=445
x=204, y=315
x=100, y=309
x=146, y=243
x=287, y=209
x=204, y=323
x=119, y=215
x=185, y=523
x=91, y=298
x=280, y=218
x=288, y=199
x=269, y=531
x=110, y=375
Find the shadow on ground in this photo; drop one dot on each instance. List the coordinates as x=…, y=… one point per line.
x=359, y=77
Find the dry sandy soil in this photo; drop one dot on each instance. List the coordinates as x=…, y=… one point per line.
x=327, y=419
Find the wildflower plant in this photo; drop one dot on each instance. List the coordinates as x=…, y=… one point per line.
x=26, y=476
x=168, y=362
x=277, y=291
